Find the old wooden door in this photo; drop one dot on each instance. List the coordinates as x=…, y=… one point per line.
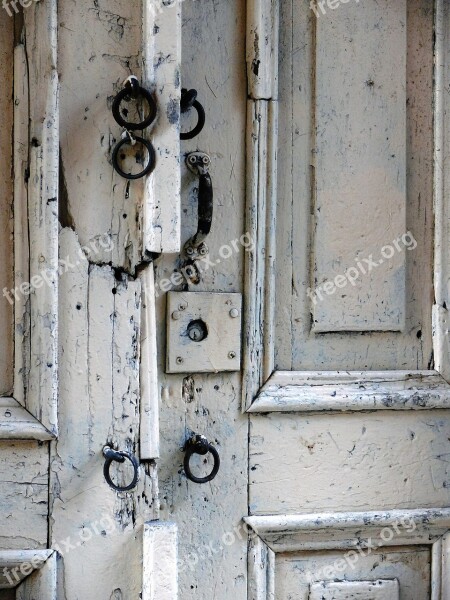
x=74, y=321
x=337, y=469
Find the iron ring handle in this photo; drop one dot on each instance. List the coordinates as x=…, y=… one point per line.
x=198, y=444
x=135, y=92
x=189, y=100
x=119, y=456
x=128, y=140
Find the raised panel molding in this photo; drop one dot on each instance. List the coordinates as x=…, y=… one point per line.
x=36, y=166
x=270, y=535
x=32, y=573
x=264, y=388
x=288, y=391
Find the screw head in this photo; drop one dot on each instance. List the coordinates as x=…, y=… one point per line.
x=190, y=250
x=175, y=315
x=179, y=361
x=203, y=250
x=182, y=306
x=234, y=313
x=192, y=159
x=232, y=354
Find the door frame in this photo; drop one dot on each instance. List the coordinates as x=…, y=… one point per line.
x=264, y=388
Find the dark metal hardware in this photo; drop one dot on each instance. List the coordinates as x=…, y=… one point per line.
x=198, y=444
x=119, y=456
x=188, y=101
x=198, y=163
x=129, y=139
x=131, y=90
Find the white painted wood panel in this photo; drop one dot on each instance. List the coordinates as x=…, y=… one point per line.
x=16, y=423
x=161, y=72
x=160, y=562
x=23, y=495
x=297, y=346
x=6, y=201
x=11, y=562
x=360, y=168
x=214, y=64
x=297, y=576
x=344, y=462
x=42, y=583
x=99, y=404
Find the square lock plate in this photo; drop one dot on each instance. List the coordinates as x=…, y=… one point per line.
x=203, y=332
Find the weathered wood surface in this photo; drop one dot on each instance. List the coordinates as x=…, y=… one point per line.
x=6, y=194
x=160, y=562
x=99, y=403
x=296, y=347
x=346, y=462
x=213, y=63
x=360, y=167
x=379, y=589
x=23, y=495
x=37, y=104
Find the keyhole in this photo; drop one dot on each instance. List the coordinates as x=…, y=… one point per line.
x=197, y=330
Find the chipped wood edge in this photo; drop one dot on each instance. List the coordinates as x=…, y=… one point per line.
x=160, y=561
x=258, y=351
x=149, y=425
x=315, y=391
x=161, y=74
x=272, y=534
x=262, y=48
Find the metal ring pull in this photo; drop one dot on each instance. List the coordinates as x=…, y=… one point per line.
x=188, y=101
x=132, y=90
x=198, y=163
x=128, y=139
x=119, y=456
x=198, y=444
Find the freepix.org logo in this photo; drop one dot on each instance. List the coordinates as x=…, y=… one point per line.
x=11, y=5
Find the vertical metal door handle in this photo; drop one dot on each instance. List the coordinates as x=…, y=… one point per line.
x=198, y=163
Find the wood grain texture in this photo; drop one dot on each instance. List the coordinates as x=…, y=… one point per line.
x=99, y=404
x=262, y=48
x=6, y=201
x=40, y=47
